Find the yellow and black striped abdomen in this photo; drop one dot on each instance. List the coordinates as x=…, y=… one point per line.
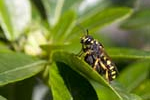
x=110, y=69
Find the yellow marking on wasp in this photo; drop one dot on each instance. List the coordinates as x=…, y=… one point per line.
x=85, y=39
x=105, y=58
x=108, y=62
x=114, y=72
x=114, y=77
x=112, y=67
x=88, y=52
x=97, y=42
x=92, y=42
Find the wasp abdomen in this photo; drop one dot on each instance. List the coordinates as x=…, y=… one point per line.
x=110, y=67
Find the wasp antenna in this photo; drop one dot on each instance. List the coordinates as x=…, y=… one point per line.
x=82, y=28
x=87, y=32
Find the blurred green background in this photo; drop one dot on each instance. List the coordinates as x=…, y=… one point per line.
x=40, y=38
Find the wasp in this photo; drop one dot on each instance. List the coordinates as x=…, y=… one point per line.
x=97, y=58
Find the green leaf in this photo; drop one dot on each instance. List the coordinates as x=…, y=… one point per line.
x=123, y=92
x=115, y=52
x=22, y=90
x=4, y=47
x=49, y=47
x=73, y=48
x=5, y=20
x=134, y=74
x=71, y=4
x=7, y=91
x=16, y=66
x=78, y=86
x=143, y=90
x=59, y=90
x=2, y=98
x=63, y=28
x=53, y=10
x=128, y=53
x=138, y=20
x=56, y=8
x=14, y=17
x=25, y=89
x=86, y=71
x=101, y=18
x=87, y=9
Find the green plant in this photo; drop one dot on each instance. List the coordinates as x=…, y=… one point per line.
x=43, y=41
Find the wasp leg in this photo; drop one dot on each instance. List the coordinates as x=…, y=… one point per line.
x=80, y=53
x=95, y=64
x=103, y=66
x=106, y=71
x=107, y=76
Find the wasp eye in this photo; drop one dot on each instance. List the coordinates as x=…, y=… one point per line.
x=89, y=40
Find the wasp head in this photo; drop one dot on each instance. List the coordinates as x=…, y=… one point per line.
x=86, y=40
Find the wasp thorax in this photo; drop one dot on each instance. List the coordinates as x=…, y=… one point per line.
x=86, y=39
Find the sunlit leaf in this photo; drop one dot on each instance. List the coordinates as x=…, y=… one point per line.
x=14, y=16
x=89, y=7
x=71, y=4
x=56, y=8
x=73, y=48
x=59, y=89
x=5, y=20
x=57, y=84
x=100, y=18
x=16, y=66
x=63, y=28
x=104, y=17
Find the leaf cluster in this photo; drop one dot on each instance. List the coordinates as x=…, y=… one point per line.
x=39, y=41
